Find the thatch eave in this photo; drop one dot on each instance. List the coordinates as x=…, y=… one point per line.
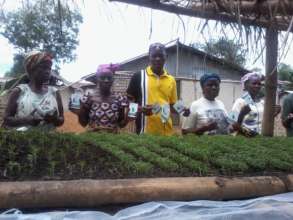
x=278, y=21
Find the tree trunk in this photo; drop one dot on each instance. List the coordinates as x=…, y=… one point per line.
x=270, y=82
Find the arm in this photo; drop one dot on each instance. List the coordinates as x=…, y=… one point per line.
x=83, y=115
x=287, y=113
x=10, y=111
x=56, y=119
x=243, y=112
x=241, y=109
x=189, y=125
x=173, y=96
x=123, y=112
x=133, y=90
x=199, y=131
x=60, y=119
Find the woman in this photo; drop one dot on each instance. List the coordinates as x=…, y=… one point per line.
x=248, y=109
x=35, y=104
x=207, y=114
x=104, y=110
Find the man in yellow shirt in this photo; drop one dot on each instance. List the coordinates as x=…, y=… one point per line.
x=153, y=85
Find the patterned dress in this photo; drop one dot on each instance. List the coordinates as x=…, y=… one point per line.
x=105, y=114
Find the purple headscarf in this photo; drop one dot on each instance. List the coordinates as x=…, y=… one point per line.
x=249, y=76
x=107, y=68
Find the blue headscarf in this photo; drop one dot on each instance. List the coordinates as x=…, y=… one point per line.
x=207, y=76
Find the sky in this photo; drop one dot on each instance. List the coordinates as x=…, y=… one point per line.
x=114, y=32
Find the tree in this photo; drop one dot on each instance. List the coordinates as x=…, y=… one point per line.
x=42, y=25
x=285, y=72
x=17, y=69
x=225, y=49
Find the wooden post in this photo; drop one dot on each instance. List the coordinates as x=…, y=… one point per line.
x=271, y=81
x=177, y=57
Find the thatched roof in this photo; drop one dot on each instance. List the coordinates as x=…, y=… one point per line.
x=261, y=13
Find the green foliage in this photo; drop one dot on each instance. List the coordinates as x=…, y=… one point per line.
x=226, y=49
x=17, y=69
x=285, y=73
x=43, y=25
x=37, y=155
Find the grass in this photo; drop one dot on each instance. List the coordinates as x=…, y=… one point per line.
x=36, y=155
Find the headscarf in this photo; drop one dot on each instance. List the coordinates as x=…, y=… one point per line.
x=33, y=58
x=157, y=46
x=249, y=76
x=107, y=68
x=208, y=76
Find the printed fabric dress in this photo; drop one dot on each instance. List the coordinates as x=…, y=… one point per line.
x=105, y=115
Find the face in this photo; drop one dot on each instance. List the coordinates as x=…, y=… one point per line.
x=253, y=86
x=157, y=59
x=105, y=80
x=211, y=89
x=41, y=73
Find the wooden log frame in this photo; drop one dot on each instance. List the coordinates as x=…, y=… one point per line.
x=250, y=16
x=94, y=193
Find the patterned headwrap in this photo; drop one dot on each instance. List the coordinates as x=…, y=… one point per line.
x=107, y=68
x=207, y=76
x=157, y=46
x=249, y=76
x=33, y=58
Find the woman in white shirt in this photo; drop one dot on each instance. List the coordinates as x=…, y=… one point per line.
x=207, y=114
x=248, y=109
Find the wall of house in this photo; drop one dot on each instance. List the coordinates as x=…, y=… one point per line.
x=65, y=94
x=191, y=65
x=194, y=66
x=135, y=65
x=191, y=90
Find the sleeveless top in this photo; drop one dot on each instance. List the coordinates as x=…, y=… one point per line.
x=37, y=105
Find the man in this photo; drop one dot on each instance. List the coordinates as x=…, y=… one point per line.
x=153, y=86
x=207, y=114
x=287, y=114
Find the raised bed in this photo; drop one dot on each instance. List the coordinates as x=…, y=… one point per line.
x=218, y=167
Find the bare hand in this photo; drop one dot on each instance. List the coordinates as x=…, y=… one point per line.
x=290, y=117
x=186, y=112
x=51, y=118
x=147, y=110
x=86, y=101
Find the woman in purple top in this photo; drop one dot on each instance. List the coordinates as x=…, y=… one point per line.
x=103, y=110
